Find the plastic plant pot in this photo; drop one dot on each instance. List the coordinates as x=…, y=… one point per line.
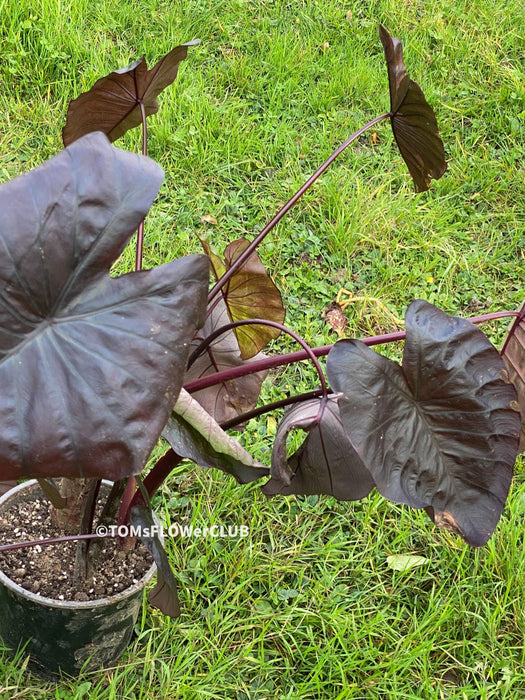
x=66, y=636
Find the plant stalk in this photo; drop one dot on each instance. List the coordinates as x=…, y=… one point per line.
x=269, y=407
x=140, y=230
x=53, y=540
x=292, y=357
x=286, y=208
x=263, y=322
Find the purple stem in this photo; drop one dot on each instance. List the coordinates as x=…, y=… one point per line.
x=286, y=208
x=125, y=501
x=272, y=324
x=140, y=230
x=156, y=477
x=519, y=319
x=292, y=357
x=53, y=540
x=269, y=407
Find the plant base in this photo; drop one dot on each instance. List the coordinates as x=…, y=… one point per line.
x=63, y=636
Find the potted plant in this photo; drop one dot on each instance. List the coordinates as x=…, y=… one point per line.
x=93, y=369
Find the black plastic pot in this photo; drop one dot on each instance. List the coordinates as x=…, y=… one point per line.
x=61, y=636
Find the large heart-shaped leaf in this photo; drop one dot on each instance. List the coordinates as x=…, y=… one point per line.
x=113, y=103
x=90, y=365
x=513, y=353
x=326, y=462
x=250, y=293
x=195, y=435
x=413, y=121
x=441, y=432
x=231, y=398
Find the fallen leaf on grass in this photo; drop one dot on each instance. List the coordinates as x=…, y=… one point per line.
x=405, y=562
x=209, y=219
x=336, y=319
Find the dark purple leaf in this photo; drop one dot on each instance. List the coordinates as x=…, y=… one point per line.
x=441, y=432
x=195, y=435
x=325, y=463
x=513, y=354
x=164, y=595
x=413, y=121
x=228, y=399
x=90, y=365
x=113, y=103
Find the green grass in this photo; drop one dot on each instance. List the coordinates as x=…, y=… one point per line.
x=306, y=607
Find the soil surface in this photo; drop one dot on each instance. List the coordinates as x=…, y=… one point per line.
x=48, y=570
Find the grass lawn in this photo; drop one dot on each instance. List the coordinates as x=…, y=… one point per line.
x=307, y=606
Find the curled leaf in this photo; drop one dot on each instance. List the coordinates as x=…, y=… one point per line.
x=413, y=120
x=113, y=105
x=195, y=435
x=325, y=463
x=164, y=595
x=440, y=432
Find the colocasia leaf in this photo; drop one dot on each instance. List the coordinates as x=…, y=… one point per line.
x=113, y=103
x=164, y=595
x=195, y=435
x=440, y=432
x=250, y=293
x=90, y=365
x=231, y=398
x=513, y=354
x=325, y=463
x=413, y=120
